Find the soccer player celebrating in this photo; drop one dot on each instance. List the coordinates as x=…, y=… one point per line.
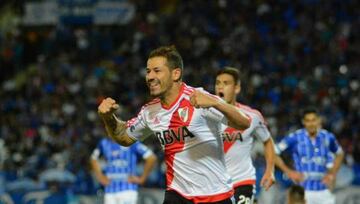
x=187, y=122
x=120, y=179
x=310, y=148
x=238, y=143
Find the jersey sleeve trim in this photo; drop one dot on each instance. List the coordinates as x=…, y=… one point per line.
x=168, y=107
x=95, y=154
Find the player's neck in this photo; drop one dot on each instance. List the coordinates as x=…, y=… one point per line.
x=233, y=102
x=171, y=95
x=312, y=134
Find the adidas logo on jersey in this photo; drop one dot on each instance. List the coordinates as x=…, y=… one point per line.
x=156, y=120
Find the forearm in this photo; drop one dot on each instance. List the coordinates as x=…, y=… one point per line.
x=337, y=163
x=114, y=126
x=236, y=118
x=148, y=166
x=269, y=155
x=279, y=162
x=96, y=168
x=116, y=129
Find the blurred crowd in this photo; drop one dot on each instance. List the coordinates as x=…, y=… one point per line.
x=290, y=53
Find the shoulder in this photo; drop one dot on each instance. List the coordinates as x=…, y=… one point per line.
x=255, y=114
x=150, y=106
x=299, y=132
x=188, y=90
x=153, y=103
x=326, y=133
x=103, y=141
x=296, y=133
x=141, y=116
x=135, y=145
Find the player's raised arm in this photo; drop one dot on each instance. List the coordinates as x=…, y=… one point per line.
x=115, y=128
x=235, y=117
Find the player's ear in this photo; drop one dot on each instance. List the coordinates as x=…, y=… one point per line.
x=303, y=121
x=176, y=74
x=237, y=88
x=320, y=119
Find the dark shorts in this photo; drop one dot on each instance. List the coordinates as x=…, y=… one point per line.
x=244, y=194
x=172, y=197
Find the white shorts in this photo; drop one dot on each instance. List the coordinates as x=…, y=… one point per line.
x=319, y=197
x=123, y=197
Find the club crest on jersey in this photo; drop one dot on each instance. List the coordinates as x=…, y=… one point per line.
x=183, y=114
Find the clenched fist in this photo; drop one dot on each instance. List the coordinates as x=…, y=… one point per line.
x=107, y=107
x=199, y=99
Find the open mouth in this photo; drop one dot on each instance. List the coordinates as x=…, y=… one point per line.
x=153, y=84
x=221, y=94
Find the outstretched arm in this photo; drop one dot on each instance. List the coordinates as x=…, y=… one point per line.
x=115, y=128
x=235, y=117
x=268, y=179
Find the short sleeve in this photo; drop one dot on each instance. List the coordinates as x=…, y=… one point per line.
x=214, y=115
x=98, y=151
x=261, y=131
x=287, y=142
x=142, y=150
x=137, y=128
x=334, y=145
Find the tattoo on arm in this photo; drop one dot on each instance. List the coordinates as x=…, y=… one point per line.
x=120, y=128
x=115, y=127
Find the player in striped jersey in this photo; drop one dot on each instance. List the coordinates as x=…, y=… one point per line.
x=311, y=148
x=187, y=122
x=238, y=144
x=120, y=179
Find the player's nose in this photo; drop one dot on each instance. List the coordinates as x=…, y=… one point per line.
x=150, y=76
x=219, y=89
x=219, y=86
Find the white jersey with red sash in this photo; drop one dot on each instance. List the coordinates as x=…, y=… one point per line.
x=193, y=147
x=238, y=144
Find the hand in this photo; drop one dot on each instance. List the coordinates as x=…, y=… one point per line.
x=136, y=179
x=103, y=180
x=295, y=176
x=267, y=180
x=329, y=180
x=202, y=100
x=107, y=107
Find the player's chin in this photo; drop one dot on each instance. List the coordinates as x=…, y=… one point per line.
x=312, y=130
x=155, y=93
